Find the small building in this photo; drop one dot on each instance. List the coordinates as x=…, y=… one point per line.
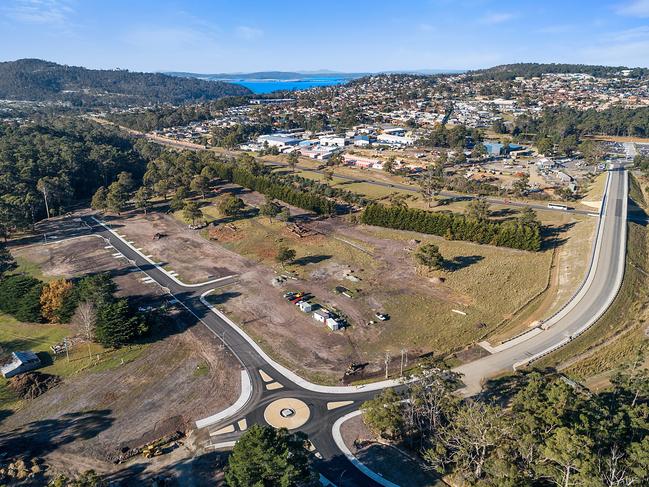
x=21, y=362
x=334, y=324
x=494, y=148
x=305, y=306
x=321, y=315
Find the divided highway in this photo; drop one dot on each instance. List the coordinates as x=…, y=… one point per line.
x=273, y=394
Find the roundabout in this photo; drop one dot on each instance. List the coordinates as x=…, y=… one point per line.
x=287, y=412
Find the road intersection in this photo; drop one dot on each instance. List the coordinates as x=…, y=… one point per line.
x=272, y=394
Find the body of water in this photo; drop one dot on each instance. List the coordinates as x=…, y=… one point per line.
x=268, y=86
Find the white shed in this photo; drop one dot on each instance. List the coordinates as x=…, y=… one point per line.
x=334, y=324
x=321, y=315
x=21, y=362
x=305, y=306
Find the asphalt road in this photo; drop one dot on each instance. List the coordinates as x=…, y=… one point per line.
x=587, y=307
x=593, y=300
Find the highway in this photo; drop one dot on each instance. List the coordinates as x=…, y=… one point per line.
x=593, y=299
x=271, y=385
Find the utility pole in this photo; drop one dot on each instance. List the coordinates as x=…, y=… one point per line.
x=387, y=361
x=67, y=351
x=404, y=355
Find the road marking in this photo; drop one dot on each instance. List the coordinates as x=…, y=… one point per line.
x=224, y=445
x=108, y=247
x=273, y=386
x=243, y=424
x=264, y=376
x=226, y=429
x=337, y=404
x=117, y=254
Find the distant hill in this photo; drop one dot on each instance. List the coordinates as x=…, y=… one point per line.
x=37, y=80
x=270, y=75
x=295, y=75
x=530, y=70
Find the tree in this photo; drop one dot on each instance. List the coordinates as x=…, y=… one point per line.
x=592, y=151
x=116, y=325
x=264, y=456
x=328, y=174
x=544, y=145
x=528, y=217
x=519, y=186
x=53, y=297
x=429, y=256
x=270, y=209
x=200, y=184
x=85, y=319
x=192, y=211
x=570, y=460
x=293, y=160
x=20, y=296
x=429, y=184
x=97, y=288
x=384, y=414
x=7, y=261
x=142, y=199
x=231, y=205
x=398, y=200
x=478, y=151
x=389, y=165
x=117, y=197
x=285, y=254
x=99, y=199
x=478, y=210
x=284, y=215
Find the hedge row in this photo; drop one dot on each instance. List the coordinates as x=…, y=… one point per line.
x=452, y=226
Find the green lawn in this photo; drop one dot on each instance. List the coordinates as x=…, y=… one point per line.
x=17, y=336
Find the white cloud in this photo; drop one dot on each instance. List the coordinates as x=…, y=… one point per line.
x=496, y=18
x=248, y=33
x=39, y=11
x=636, y=8
x=426, y=28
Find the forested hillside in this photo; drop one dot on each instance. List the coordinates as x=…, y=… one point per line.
x=34, y=79
x=529, y=70
x=67, y=159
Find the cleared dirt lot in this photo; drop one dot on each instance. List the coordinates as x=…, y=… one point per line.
x=123, y=399
x=443, y=312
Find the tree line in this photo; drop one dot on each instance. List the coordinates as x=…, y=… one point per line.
x=531, y=70
x=474, y=228
x=546, y=432
x=89, y=303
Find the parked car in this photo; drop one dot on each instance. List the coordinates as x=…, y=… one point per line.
x=382, y=316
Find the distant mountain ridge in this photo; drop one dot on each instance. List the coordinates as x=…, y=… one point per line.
x=297, y=75
x=38, y=80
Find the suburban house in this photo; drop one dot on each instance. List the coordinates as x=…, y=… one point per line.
x=21, y=362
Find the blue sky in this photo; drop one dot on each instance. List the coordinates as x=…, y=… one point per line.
x=353, y=35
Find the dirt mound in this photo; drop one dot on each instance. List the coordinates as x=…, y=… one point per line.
x=32, y=384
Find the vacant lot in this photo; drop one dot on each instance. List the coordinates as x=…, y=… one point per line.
x=355, y=271
x=119, y=398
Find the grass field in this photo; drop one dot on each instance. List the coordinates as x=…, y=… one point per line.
x=38, y=338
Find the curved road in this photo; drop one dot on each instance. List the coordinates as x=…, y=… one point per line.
x=270, y=382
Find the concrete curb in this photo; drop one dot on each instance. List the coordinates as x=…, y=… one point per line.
x=606, y=305
x=340, y=443
x=244, y=397
x=164, y=271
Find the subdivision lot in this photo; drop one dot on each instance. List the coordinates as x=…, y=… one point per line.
x=118, y=399
x=357, y=271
